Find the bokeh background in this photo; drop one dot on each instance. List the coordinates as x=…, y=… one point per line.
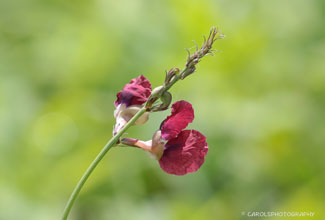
x=259, y=101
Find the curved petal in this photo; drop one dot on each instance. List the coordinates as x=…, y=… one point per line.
x=134, y=93
x=184, y=154
x=182, y=115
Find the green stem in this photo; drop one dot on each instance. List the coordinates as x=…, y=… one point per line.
x=94, y=164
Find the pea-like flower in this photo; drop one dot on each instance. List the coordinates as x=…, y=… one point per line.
x=184, y=150
x=129, y=101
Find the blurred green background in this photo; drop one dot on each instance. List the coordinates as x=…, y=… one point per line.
x=260, y=102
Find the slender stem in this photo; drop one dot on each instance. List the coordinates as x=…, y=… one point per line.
x=95, y=162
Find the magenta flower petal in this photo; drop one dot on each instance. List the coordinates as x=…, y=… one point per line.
x=184, y=154
x=134, y=93
x=182, y=115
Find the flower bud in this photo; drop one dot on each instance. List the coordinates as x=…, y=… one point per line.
x=155, y=94
x=166, y=99
x=170, y=75
x=189, y=71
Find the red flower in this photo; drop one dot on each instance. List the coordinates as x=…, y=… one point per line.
x=184, y=154
x=185, y=150
x=129, y=101
x=134, y=93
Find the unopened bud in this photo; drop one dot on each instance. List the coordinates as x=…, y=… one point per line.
x=166, y=99
x=170, y=75
x=188, y=72
x=155, y=94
